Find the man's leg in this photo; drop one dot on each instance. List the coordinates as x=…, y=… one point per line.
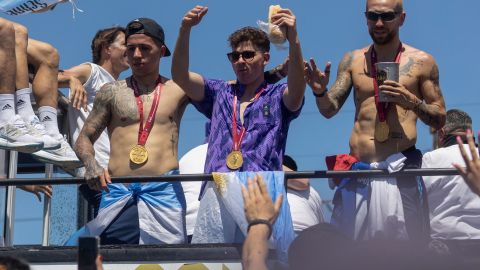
x=44, y=58
x=13, y=132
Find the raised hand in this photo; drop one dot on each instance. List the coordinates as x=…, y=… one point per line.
x=471, y=173
x=315, y=78
x=257, y=202
x=285, y=18
x=194, y=16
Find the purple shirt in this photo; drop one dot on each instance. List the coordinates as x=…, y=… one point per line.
x=266, y=121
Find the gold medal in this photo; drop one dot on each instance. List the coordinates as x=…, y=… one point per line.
x=234, y=160
x=382, y=131
x=138, y=154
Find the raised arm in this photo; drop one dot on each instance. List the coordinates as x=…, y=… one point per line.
x=96, y=176
x=190, y=82
x=293, y=95
x=74, y=78
x=329, y=103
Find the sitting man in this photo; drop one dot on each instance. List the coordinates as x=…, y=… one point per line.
x=454, y=208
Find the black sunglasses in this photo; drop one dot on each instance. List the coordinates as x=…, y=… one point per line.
x=246, y=55
x=385, y=16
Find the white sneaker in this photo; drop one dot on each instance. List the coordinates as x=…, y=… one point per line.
x=14, y=136
x=37, y=129
x=63, y=156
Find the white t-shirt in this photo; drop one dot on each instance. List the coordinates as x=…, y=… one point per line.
x=454, y=208
x=76, y=118
x=305, y=207
x=192, y=162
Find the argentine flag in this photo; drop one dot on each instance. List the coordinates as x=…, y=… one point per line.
x=161, y=214
x=221, y=211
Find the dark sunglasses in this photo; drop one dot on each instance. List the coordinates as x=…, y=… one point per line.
x=385, y=16
x=246, y=55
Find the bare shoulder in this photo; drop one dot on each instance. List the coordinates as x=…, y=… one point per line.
x=424, y=60
x=174, y=88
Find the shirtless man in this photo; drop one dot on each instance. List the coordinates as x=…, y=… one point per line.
x=417, y=95
x=115, y=108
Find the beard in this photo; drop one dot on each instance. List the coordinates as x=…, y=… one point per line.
x=382, y=40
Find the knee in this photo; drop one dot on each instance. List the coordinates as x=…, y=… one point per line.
x=21, y=34
x=52, y=56
x=7, y=30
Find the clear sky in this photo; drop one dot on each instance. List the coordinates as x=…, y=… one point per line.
x=327, y=29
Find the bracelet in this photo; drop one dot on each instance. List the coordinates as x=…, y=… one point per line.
x=322, y=94
x=260, y=221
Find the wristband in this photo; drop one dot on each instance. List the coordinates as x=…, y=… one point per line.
x=322, y=94
x=260, y=221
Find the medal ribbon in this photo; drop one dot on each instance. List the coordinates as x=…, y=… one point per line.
x=238, y=136
x=143, y=132
x=381, y=106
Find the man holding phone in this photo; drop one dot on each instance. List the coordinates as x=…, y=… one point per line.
x=382, y=129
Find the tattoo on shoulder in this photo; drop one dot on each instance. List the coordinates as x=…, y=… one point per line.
x=406, y=69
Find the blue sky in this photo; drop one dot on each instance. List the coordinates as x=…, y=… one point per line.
x=327, y=29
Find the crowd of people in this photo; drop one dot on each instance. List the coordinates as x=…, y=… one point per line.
x=130, y=127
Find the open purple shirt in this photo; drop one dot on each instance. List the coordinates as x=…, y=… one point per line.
x=266, y=121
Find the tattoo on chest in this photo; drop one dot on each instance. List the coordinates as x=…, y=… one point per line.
x=406, y=70
x=125, y=105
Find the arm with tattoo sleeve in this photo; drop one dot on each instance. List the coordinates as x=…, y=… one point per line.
x=96, y=176
x=432, y=111
x=332, y=102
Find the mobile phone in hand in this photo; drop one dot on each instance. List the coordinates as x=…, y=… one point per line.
x=87, y=252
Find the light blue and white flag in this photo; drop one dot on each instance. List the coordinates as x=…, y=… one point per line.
x=221, y=211
x=161, y=212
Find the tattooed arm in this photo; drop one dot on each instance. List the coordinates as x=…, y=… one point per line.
x=329, y=103
x=432, y=111
x=96, y=176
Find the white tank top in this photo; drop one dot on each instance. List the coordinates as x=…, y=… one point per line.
x=76, y=118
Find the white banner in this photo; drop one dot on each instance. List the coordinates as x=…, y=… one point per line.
x=19, y=7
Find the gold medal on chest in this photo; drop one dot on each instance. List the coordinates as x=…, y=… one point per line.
x=381, y=131
x=138, y=154
x=234, y=160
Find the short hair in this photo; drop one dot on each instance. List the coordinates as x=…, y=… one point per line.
x=13, y=263
x=457, y=120
x=289, y=162
x=258, y=38
x=104, y=37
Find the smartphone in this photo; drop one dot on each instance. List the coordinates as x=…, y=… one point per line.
x=87, y=252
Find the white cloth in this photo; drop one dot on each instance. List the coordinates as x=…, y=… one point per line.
x=76, y=118
x=193, y=162
x=454, y=208
x=305, y=207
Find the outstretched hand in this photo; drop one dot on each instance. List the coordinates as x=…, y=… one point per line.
x=315, y=78
x=194, y=16
x=471, y=173
x=257, y=202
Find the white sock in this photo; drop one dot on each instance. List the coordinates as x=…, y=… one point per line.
x=48, y=117
x=23, y=104
x=7, y=107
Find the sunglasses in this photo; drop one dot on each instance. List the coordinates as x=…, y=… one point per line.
x=385, y=16
x=246, y=55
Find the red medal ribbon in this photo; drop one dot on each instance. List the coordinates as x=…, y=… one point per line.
x=238, y=136
x=381, y=106
x=143, y=132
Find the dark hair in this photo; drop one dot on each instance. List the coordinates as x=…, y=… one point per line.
x=12, y=263
x=457, y=120
x=104, y=37
x=258, y=38
x=289, y=162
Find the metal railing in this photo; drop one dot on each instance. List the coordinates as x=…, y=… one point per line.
x=12, y=181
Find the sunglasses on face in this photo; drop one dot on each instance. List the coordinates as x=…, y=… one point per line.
x=246, y=55
x=384, y=16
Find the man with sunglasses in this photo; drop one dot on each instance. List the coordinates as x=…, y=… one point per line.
x=249, y=117
x=382, y=129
